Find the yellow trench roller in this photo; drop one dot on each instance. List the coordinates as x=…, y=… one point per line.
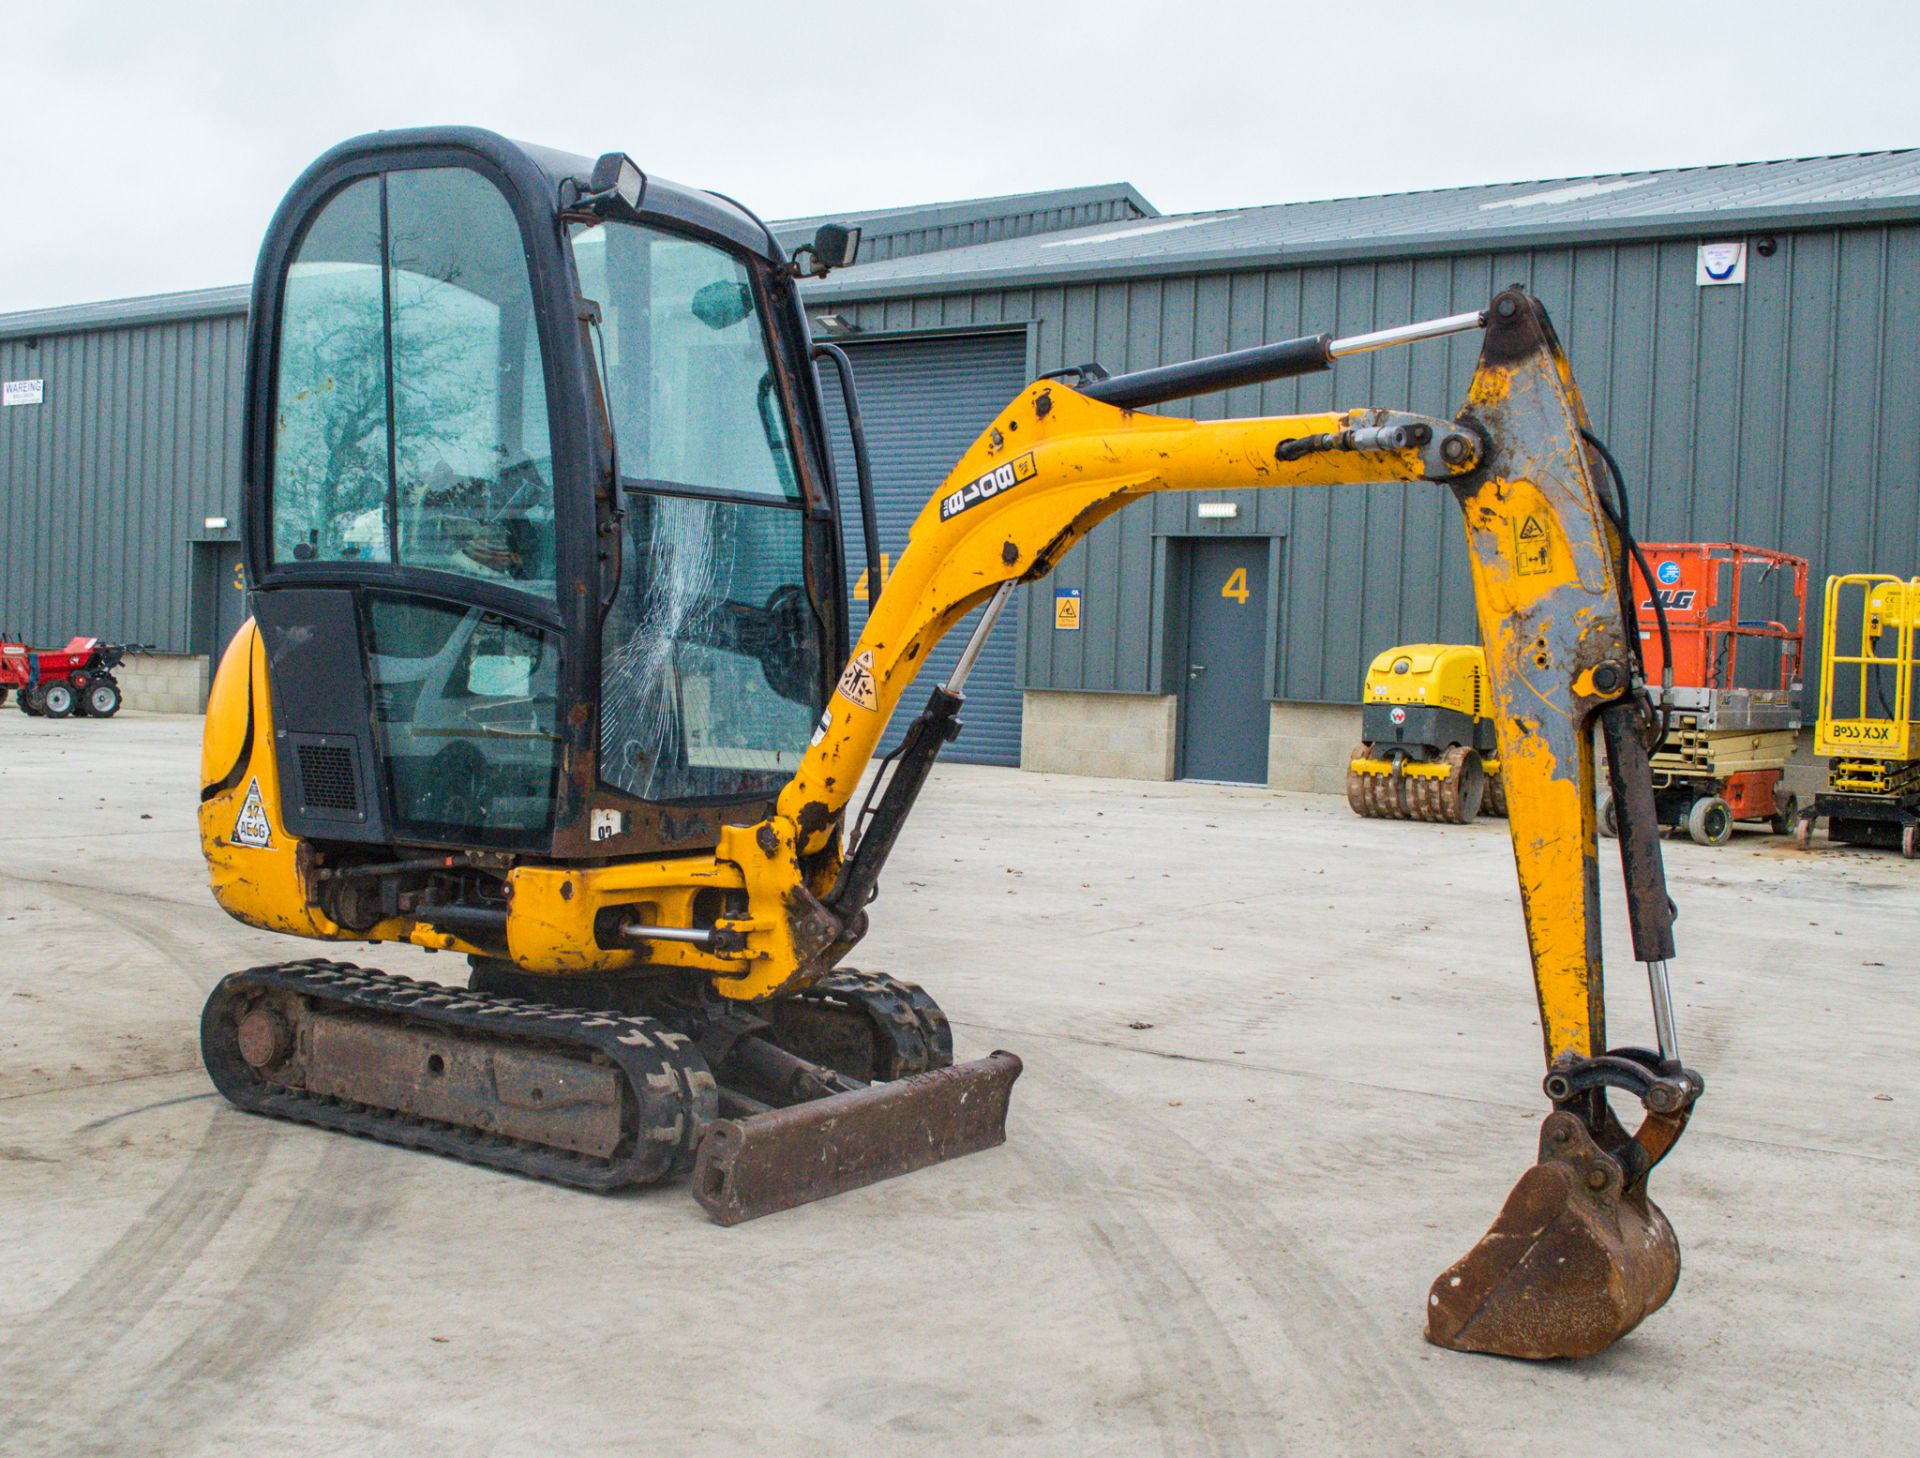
x=1427, y=748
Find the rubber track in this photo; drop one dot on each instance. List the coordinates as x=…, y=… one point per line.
x=909, y=1019
x=671, y=1094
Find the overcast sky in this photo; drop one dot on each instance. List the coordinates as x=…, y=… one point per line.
x=143, y=146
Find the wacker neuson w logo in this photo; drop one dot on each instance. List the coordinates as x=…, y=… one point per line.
x=1000, y=478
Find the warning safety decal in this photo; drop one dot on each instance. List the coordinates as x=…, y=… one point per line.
x=857, y=685
x=252, y=828
x=1000, y=478
x=1531, y=552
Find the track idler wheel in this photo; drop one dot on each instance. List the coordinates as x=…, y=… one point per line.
x=865, y=1025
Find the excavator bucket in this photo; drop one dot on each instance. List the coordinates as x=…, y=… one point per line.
x=807, y=1151
x=1574, y=1261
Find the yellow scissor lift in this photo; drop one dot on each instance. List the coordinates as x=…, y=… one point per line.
x=1867, y=722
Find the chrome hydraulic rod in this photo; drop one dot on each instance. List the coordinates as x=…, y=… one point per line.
x=1407, y=333
x=1663, y=1025
x=970, y=654
x=638, y=931
x=1286, y=359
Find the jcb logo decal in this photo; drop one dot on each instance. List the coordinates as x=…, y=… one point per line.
x=1000, y=478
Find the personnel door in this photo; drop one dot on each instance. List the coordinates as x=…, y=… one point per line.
x=1224, y=715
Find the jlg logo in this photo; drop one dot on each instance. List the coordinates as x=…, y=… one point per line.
x=1673, y=599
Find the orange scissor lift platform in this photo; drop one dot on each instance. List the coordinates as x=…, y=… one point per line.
x=1737, y=618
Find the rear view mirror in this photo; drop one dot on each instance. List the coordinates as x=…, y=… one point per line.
x=834, y=246
x=722, y=303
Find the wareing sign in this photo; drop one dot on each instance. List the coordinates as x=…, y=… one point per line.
x=22, y=392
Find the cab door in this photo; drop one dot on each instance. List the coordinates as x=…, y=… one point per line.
x=409, y=603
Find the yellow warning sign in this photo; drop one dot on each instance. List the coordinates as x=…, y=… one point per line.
x=1066, y=610
x=1532, y=550
x=857, y=685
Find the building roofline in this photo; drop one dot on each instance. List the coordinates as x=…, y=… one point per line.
x=973, y=210
x=125, y=313
x=958, y=270
x=1618, y=175
x=847, y=285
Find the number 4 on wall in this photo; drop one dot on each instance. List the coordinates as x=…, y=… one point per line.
x=1236, y=586
x=886, y=571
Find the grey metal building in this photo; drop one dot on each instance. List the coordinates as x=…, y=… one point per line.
x=1779, y=409
x=1782, y=410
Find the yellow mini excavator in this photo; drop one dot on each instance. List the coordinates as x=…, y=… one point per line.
x=549, y=669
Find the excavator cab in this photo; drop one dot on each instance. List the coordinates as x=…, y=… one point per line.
x=541, y=526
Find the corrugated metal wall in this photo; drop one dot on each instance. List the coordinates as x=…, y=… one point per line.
x=105, y=484
x=1785, y=412
x=923, y=402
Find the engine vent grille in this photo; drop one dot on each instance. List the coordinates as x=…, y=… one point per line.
x=327, y=780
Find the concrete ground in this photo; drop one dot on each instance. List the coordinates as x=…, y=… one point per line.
x=1282, y=1067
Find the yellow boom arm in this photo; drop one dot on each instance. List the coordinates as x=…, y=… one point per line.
x=1053, y=465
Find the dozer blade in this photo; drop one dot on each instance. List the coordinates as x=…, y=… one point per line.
x=1572, y=1264
x=768, y=1162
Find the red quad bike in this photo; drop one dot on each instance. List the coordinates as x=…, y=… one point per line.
x=59, y=683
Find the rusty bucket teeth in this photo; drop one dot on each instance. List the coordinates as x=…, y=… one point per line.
x=773, y=1161
x=1572, y=1264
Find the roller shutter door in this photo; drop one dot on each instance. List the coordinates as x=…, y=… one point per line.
x=924, y=402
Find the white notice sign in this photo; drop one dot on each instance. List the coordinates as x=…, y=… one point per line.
x=1721, y=263
x=252, y=828
x=22, y=392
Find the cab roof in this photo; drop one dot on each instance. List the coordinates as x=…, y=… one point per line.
x=664, y=198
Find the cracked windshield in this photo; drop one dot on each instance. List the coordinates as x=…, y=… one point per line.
x=711, y=655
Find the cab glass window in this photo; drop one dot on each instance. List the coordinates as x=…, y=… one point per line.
x=330, y=482
x=473, y=459
x=695, y=404
x=712, y=655
x=464, y=702
x=412, y=410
